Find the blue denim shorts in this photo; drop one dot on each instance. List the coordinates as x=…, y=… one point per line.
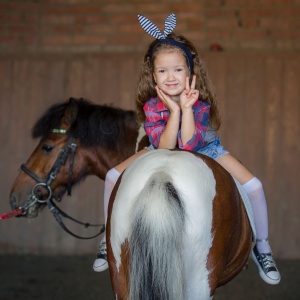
x=214, y=149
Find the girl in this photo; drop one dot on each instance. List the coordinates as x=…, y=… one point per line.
x=178, y=107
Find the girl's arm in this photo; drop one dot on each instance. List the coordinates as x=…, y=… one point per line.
x=187, y=99
x=168, y=138
x=161, y=129
x=187, y=126
x=201, y=121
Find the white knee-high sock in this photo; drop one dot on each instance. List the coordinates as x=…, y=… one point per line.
x=110, y=180
x=255, y=192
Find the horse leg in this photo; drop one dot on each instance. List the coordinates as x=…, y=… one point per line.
x=118, y=274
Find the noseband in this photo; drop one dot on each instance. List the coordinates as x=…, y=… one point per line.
x=69, y=148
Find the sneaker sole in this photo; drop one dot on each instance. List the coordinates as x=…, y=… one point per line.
x=100, y=268
x=262, y=273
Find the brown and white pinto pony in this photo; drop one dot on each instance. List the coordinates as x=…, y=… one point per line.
x=177, y=228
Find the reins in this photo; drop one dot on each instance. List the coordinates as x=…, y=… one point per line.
x=69, y=149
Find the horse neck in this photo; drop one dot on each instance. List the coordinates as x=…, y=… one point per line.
x=101, y=160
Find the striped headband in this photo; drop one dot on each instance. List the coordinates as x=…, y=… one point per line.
x=170, y=24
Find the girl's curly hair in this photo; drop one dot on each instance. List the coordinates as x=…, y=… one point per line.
x=146, y=84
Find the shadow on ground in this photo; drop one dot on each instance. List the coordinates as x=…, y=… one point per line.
x=72, y=278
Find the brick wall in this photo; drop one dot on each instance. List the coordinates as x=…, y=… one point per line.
x=75, y=26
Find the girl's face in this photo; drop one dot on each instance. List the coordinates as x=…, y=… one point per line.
x=170, y=72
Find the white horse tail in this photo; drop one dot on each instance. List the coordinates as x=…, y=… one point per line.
x=156, y=242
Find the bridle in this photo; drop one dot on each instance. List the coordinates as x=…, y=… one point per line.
x=68, y=149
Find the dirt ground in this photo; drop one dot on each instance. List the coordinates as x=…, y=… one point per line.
x=72, y=278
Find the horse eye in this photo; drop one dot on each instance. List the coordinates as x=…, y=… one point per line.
x=47, y=148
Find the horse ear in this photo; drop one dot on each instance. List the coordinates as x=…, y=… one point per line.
x=70, y=113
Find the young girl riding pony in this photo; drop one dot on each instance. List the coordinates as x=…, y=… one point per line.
x=177, y=105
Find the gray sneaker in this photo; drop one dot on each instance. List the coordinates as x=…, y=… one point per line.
x=265, y=262
x=100, y=263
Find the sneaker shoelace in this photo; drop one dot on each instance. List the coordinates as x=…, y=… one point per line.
x=268, y=261
x=102, y=249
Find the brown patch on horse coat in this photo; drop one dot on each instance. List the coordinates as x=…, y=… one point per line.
x=233, y=235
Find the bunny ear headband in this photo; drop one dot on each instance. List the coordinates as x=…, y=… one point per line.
x=170, y=24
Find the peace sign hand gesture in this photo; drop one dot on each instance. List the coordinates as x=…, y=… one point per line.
x=190, y=95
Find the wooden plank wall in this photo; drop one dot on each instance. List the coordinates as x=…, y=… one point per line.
x=259, y=98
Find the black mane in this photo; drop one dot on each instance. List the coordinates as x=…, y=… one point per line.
x=95, y=124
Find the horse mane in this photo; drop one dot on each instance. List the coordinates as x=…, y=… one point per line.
x=95, y=124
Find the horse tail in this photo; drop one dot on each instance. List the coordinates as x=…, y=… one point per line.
x=156, y=241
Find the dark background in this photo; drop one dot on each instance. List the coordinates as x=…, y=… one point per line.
x=65, y=278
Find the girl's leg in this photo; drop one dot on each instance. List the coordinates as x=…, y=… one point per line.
x=262, y=252
x=235, y=168
x=100, y=263
x=255, y=192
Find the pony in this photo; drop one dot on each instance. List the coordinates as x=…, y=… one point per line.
x=176, y=228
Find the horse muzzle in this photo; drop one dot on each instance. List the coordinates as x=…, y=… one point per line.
x=30, y=209
x=41, y=193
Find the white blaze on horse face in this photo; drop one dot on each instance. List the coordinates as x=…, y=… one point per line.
x=195, y=182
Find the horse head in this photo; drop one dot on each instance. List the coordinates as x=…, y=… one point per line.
x=77, y=139
x=46, y=173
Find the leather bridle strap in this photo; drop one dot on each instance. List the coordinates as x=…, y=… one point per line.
x=31, y=174
x=60, y=161
x=57, y=213
x=70, y=147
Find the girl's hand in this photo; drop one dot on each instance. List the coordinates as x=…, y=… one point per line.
x=190, y=95
x=167, y=101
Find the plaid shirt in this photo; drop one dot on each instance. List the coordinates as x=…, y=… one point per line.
x=157, y=115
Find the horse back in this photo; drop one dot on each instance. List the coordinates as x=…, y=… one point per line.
x=193, y=181
x=221, y=218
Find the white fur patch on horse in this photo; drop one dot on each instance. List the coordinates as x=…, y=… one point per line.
x=195, y=182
